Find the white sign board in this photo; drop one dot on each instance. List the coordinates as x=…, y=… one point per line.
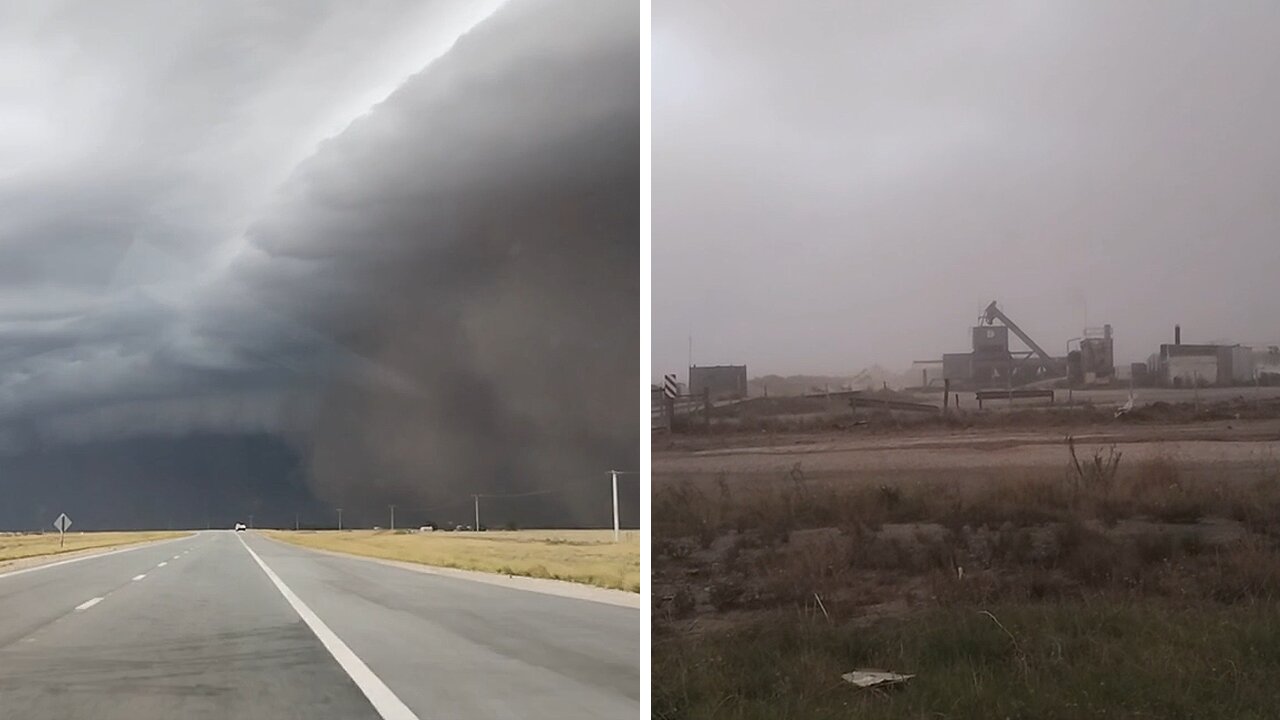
x=62, y=523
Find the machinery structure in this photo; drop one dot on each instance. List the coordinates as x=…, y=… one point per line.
x=993, y=364
x=1094, y=362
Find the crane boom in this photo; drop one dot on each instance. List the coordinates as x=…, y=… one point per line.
x=993, y=313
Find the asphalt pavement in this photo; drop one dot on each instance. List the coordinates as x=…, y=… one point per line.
x=226, y=624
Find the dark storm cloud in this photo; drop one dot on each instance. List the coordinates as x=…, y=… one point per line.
x=439, y=299
x=476, y=235
x=851, y=184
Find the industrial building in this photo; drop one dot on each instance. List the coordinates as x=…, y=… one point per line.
x=993, y=364
x=1189, y=365
x=1095, y=361
x=724, y=382
x=1266, y=366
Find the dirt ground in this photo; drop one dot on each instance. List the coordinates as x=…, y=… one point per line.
x=1178, y=481
x=1241, y=446
x=1142, y=396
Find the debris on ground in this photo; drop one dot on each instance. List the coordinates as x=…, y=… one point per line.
x=875, y=678
x=1126, y=408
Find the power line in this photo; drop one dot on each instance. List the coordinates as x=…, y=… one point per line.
x=475, y=498
x=516, y=495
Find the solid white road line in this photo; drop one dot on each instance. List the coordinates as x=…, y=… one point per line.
x=88, y=603
x=95, y=556
x=166, y=562
x=384, y=701
x=139, y=577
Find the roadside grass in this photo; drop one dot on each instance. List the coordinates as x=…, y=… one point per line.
x=583, y=556
x=15, y=546
x=1115, y=658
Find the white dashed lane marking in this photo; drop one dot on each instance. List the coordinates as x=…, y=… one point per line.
x=88, y=604
x=166, y=562
x=139, y=577
x=95, y=556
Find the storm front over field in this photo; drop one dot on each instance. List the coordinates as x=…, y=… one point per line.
x=278, y=258
x=853, y=184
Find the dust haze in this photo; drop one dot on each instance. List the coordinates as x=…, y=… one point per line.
x=851, y=185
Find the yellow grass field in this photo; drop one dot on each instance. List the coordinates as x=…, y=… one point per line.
x=584, y=556
x=15, y=546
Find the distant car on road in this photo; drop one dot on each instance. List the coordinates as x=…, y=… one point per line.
x=240, y=527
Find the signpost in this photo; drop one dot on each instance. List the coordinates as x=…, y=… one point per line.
x=670, y=391
x=62, y=523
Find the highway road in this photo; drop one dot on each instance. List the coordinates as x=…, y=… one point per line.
x=225, y=625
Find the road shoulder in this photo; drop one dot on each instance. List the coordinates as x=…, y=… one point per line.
x=35, y=562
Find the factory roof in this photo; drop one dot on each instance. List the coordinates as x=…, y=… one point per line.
x=1186, y=349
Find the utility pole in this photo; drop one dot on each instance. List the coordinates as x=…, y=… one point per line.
x=295, y=522
x=614, y=473
x=477, y=499
x=339, y=519
x=250, y=521
x=1071, y=385
x=393, y=517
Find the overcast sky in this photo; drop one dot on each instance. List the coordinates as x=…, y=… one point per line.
x=413, y=263
x=851, y=184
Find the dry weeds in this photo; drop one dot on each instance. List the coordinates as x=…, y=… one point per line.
x=583, y=556
x=16, y=546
